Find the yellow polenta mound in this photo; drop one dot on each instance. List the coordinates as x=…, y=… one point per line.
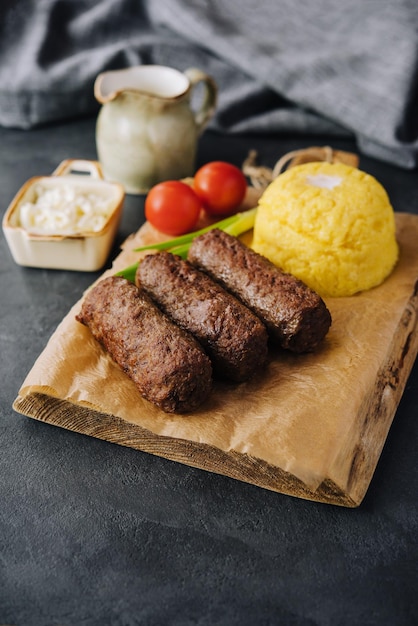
x=331, y=225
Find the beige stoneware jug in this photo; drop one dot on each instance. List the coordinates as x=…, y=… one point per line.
x=148, y=127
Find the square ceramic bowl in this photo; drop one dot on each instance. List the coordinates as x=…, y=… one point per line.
x=79, y=204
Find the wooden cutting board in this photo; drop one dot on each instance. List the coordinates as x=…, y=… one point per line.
x=311, y=426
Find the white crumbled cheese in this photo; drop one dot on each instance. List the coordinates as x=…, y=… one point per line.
x=324, y=181
x=64, y=210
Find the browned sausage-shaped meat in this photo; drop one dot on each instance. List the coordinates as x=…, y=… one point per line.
x=295, y=316
x=167, y=364
x=233, y=337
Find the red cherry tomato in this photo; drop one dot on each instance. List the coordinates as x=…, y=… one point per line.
x=172, y=207
x=221, y=187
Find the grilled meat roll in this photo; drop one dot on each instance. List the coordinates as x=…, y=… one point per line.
x=166, y=363
x=233, y=337
x=296, y=317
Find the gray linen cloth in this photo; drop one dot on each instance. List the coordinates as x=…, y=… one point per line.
x=282, y=66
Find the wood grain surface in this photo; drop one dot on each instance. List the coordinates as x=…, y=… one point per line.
x=331, y=458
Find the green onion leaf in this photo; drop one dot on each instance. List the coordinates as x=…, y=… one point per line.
x=129, y=272
x=188, y=238
x=234, y=225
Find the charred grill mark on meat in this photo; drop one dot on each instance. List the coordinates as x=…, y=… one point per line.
x=233, y=337
x=166, y=363
x=295, y=316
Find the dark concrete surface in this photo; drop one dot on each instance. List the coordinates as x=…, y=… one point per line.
x=94, y=534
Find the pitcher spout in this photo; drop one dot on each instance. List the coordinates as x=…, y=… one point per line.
x=157, y=81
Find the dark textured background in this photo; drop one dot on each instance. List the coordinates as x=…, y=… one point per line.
x=348, y=68
x=94, y=534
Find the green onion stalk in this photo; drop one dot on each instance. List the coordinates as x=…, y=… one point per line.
x=235, y=225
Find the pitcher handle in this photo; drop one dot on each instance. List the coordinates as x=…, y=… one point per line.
x=207, y=108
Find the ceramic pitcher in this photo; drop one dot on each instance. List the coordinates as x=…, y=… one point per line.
x=148, y=127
